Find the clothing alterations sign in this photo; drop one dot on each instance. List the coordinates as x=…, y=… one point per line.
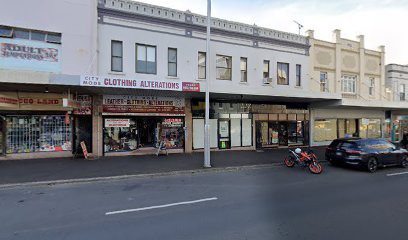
x=142, y=104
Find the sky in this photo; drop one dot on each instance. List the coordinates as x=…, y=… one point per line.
x=382, y=22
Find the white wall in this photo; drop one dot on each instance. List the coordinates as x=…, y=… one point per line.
x=74, y=19
x=188, y=48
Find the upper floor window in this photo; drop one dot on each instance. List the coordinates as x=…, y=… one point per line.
x=172, y=62
x=243, y=66
x=224, y=67
x=201, y=65
x=298, y=74
x=116, y=56
x=371, y=86
x=324, y=85
x=266, y=69
x=146, y=59
x=21, y=33
x=283, y=74
x=348, y=84
x=402, y=92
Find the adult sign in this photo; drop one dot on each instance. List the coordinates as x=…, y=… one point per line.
x=118, y=82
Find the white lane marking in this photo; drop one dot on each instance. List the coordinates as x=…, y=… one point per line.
x=162, y=206
x=395, y=174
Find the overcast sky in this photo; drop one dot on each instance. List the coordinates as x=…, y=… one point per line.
x=382, y=22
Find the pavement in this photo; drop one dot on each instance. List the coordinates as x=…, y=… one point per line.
x=60, y=169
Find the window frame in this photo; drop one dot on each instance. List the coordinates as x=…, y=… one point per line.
x=203, y=65
x=279, y=65
x=169, y=62
x=243, y=71
x=112, y=56
x=325, y=82
x=217, y=67
x=371, y=86
x=348, y=82
x=263, y=69
x=146, y=46
x=298, y=75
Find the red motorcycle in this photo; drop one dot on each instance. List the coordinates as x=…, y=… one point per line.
x=305, y=159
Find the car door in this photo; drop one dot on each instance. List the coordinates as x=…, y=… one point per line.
x=389, y=153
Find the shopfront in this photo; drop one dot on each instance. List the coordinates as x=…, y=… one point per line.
x=399, y=125
x=330, y=124
x=34, y=122
x=134, y=123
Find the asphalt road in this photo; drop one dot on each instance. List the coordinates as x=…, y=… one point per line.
x=267, y=203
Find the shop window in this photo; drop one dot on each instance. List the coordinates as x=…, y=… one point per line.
x=370, y=128
x=172, y=62
x=146, y=59
x=283, y=74
x=224, y=67
x=26, y=134
x=325, y=130
x=347, y=128
x=201, y=65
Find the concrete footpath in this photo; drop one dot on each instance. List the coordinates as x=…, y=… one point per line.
x=56, y=169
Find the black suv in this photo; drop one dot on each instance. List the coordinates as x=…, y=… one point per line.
x=366, y=153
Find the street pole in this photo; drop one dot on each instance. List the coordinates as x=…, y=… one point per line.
x=207, y=161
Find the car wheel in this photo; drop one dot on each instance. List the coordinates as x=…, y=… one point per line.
x=372, y=165
x=404, y=162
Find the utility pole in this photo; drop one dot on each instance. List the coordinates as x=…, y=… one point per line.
x=207, y=160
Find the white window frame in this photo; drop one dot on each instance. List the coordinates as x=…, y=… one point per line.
x=324, y=85
x=244, y=69
x=349, y=84
x=202, y=65
x=371, y=82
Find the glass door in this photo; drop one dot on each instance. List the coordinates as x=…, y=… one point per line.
x=224, y=134
x=283, y=133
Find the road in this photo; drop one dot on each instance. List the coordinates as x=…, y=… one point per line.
x=265, y=203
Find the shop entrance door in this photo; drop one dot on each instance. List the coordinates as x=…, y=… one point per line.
x=283, y=133
x=147, y=132
x=224, y=134
x=82, y=132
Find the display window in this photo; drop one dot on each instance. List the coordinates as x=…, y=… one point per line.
x=325, y=130
x=44, y=133
x=132, y=133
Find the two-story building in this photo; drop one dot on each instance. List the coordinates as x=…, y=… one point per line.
x=41, y=43
x=347, y=68
x=397, y=80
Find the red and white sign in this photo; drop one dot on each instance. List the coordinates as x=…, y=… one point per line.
x=84, y=105
x=142, y=104
x=117, y=82
x=115, y=122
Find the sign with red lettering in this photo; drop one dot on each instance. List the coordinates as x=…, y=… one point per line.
x=142, y=104
x=116, y=82
x=84, y=150
x=83, y=105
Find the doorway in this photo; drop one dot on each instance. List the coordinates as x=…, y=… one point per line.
x=283, y=133
x=82, y=132
x=148, y=132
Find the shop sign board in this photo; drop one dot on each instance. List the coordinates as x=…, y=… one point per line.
x=31, y=101
x=83, y=105
x=142, y=104
x=117, y=122
x=172, y=122
x=117, y=82
x=20, y=54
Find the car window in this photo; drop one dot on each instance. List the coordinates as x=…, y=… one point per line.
x=348, y=145
x=379, y=144
x=335, y=144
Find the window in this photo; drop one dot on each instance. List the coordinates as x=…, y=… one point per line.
x=266, y=69
x=146, y=59
x=325, y=130
x=224, y=67
x=201, y=65
x=324, y=87
x=402, y=92
x=23, y=34
x=298, y=74
x=348, y=84
x=116, y=56
x=38, y=36
x=244, y=71
x=172, y=62
x=6, y=31
x=53, y=38
x=371, y=86
x=283, y=74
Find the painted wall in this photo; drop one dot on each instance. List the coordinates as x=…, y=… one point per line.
x=74, y=19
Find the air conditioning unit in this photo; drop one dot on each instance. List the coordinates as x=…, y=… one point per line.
x=267, y=80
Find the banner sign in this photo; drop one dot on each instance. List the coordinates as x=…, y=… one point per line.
x=142, y=104
x=20, y=54
x=111, y=122
x=117, y=82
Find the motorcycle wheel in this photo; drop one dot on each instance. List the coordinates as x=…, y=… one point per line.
x=315, y=168
x=289, y=162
